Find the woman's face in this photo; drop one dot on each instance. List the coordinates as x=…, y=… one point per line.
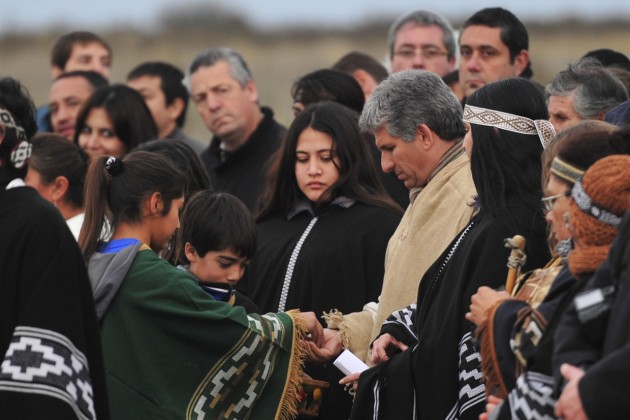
x=97, y=137
x=468, y=140
x=559, y=206
x=315, y=162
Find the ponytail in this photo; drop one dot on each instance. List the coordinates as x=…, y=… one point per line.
x=116, y=188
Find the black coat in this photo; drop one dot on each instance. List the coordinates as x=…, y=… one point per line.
x=340, y=265
x=440, y=371
x=47, y=319
x=243, y=171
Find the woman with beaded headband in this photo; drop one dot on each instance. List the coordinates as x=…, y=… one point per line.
x=433, y=337
x=50, y=353
x=171, y=350
x=517, y=339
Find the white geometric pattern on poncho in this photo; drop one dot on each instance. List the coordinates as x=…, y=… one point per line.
x=40, y=361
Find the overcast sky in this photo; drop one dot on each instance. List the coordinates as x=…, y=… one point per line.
x=34, y=15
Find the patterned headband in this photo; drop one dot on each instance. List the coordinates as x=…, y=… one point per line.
x=21, y=149
x=565, y=171
x=586, y=204
x=510, y=122
x=6, y=119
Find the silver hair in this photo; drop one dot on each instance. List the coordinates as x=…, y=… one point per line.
x=594, y=88
x=409, y=98
x=423, y=18
x=238, y=67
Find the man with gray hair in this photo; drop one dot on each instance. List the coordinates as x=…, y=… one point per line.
x=585, y=90
x=418, y=127
x=422, y=40
x=245, y=135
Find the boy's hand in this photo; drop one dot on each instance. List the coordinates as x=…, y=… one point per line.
x=329, y=348
x=315, y=329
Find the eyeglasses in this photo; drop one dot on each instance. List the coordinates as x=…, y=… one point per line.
x=428, y=53
x=548, y=202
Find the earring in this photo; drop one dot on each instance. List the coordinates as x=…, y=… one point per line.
x=567, y=221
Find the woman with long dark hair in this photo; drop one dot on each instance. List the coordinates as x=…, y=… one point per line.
x=331, y=85
x=324, y=226
x=113, y=121
x=436, y=375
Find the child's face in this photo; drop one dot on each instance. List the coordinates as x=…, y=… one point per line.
x=216, y=266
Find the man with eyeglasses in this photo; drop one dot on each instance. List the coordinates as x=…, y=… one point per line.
x=421, y=40
x=493, y=45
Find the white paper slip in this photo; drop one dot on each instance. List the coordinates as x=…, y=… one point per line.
x=348, y=363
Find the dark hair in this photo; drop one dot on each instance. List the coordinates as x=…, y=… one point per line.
x=505, y=165
x=171, y=83
x=586, y=146
x=329, y=85
x=130, y=116
x=513, y=32
x=188, y=162
x=585, y=130
x=609, y=58
x=120, y=196
x=355, y=60
x=450, y=78
x=52, y=156
x=94, y=79
x=16, y=100
x=185, y=159
x=215, y=222
x=358, y=178
x=62, y=50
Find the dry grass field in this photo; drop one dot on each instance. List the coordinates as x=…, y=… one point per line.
x=277, y=59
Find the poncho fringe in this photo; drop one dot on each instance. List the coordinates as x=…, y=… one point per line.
x=334, y=320
x=287, y=409
x=489, y=363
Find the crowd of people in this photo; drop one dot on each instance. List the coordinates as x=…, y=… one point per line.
x=146, y=274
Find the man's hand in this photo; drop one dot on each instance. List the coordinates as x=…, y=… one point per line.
x=569, y=406
x=382, y=345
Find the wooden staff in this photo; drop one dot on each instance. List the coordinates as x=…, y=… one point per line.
x=515, y=261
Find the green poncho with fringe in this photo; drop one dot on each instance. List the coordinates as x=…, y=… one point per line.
x=171, y=351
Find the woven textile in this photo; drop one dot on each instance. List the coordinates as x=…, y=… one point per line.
x=510, y=122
